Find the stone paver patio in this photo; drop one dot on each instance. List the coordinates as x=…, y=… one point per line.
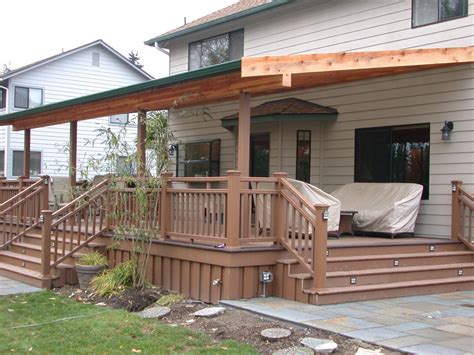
x=10, y=287
x=430, y=324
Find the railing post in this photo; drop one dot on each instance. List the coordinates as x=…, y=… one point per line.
x=455, y=184
x=45, y=194
x=2, y=184
x=164, y=207
x=46, y=243
x=319, y=245
x=278, y=210
x=233, y=209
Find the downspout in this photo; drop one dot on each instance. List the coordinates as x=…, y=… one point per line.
x=7, y=132
x=162, y=50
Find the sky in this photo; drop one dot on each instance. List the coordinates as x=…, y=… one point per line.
x=36, y=29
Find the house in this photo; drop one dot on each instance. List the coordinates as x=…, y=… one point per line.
x=405, y=111
x=88, y=69
x=329, y=92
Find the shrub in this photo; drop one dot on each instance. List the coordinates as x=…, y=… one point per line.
x=170, y=299
x=113, y=281
x=93, y=259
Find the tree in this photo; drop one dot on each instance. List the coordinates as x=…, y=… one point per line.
x=6, y=68
x=134, y=58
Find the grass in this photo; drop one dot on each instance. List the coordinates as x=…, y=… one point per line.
x=100, y=330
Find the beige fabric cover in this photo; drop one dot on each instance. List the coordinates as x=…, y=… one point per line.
x=382, y=207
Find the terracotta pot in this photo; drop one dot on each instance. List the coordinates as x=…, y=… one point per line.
x=85, y=273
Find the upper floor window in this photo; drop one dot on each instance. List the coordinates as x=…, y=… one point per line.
x=216, y=50
x=95, y=59
x=3, y=98
x=28, y=97
x=426, y=12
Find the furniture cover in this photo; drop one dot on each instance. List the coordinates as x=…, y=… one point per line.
x=382, y=207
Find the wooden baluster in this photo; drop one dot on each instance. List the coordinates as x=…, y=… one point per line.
x=319, y=256
x=233, y=209
x=280, y=218
x=455, y=216
x=46, y=243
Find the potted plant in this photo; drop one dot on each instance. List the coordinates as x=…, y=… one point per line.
x=89, y=266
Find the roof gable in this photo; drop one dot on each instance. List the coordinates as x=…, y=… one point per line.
x=56, y=57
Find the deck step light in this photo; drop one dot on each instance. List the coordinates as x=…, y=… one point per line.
x=446, y=130
x=265, y=277
x=432, y=248
x=460, y=272
x=396, y=263
x=353, y=280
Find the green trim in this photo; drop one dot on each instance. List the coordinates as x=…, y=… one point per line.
x=282, y=118
x=248, y=12
x=157, y=83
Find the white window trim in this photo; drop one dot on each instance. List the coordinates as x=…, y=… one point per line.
x=26, y=86
x=10, y=166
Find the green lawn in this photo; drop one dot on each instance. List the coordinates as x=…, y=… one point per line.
x=101, y=331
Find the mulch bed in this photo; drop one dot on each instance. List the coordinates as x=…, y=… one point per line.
x=234, y=324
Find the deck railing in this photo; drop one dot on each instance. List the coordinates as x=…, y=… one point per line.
x=462, y=214
x=22, y=211
x=10, y=188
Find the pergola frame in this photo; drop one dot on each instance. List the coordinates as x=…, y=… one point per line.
x=252, y=76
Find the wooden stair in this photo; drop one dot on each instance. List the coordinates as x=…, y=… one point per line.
x=364, y=271
x=22, y=262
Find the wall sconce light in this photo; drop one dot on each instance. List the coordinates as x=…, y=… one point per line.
x=171, y=150
x=446, y=130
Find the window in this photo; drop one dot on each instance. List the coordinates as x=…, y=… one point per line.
x=95, y=59
x=125, y=165
x=425, y=12
x=119, y=119
x=303, y=156
x=393, y=154
x=35, y=163
x=28, y=97
x=216, y=50
x=2, y=162
x=3, y=98
x=199, y=159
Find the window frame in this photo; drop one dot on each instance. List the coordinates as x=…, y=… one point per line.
x=27, y=97
x=22, y=154
x=426, y=194
x=119, y=123
x=227, y=34
x=3, y=99
x=2, y=166
x=413, y=25
x=309, y=157
x=210, y=161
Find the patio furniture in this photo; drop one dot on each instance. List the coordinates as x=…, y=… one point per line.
x=61, y=192
x=346, y=223
x=389, y=208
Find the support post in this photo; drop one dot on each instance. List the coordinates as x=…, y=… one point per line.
x=45, y=194
x=72, y=154
x=141, y=139
x=243, y=153
x=455, y=185
x=233, y=208
x=165, y=205
x=279, y=209
x=46, y=243
x=320, y=245
x=26, y=153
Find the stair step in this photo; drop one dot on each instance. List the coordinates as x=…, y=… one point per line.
x=398, y=256
x=28, y=259
x=28, y=276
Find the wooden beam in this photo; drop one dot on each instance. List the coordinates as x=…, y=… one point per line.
x=243, y=153
x=72, y=154
x=26, y=153
x=332, y=62
x=141, y=143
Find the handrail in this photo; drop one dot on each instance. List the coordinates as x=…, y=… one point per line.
x=40, y=182
x=297, y=194
x=462, y=212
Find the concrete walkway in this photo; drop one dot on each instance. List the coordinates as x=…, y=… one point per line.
x=432, y=324
x=10, y=287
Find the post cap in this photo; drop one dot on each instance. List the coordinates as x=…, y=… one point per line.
x=234, y=173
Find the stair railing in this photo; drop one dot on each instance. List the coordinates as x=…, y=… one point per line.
x=22, y=212
x=73, y=226
x=303, y=230
x=462, y=214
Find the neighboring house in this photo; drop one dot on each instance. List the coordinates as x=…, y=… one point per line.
x=378, y=130
x=89, y=69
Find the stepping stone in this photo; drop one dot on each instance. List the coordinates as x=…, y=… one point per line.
x=319, y=345
x=294, y=350
x=154, y=312
x=363, y=351
x=209, y=312
x=274, y=334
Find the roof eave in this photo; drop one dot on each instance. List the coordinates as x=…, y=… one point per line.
x=163, y=39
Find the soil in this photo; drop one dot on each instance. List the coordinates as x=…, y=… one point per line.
x=234, y=324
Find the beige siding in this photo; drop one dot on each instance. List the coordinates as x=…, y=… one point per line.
x=318, y=26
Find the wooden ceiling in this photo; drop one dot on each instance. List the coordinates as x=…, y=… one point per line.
x=258, y=76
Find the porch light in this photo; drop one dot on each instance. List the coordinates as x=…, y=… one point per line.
x=171, y=150
x=446, y=130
